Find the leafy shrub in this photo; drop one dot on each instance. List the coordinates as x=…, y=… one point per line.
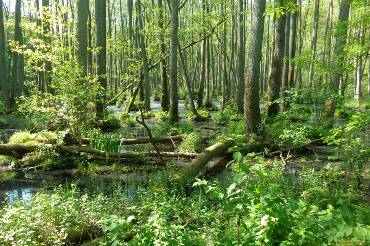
x=128, y=120
x=109, y=122
x=46, y=158
x=229, y=114
x=21, y=137
x=40, y=137
x=162, y=116
x=192, y=142
x=166, y=128
x=105, y=142
x=203, y=114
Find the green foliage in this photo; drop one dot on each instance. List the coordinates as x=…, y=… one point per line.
x=70, y=106
x=128, y=120
x=203, y=114
x=229, y=114
x=109, y=122
x=46, y=158
x=192, y=142
x=166, y=128
x=162, y=116
x=105, y=142
x=46, y=137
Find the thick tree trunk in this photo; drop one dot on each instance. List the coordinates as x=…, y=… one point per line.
x=81, y=34
x=101, y=60
x=338, y=59
x=251, y=107
x=277, y=64
x=198, y=164
x=174, y=112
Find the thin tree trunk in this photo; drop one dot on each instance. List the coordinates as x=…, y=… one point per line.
x=174, y=112
x=292, y=46
x=314, y=42
x=241, y=74
x=16, y=56
x=101, y=59
x=164, y=77
x=3, y=66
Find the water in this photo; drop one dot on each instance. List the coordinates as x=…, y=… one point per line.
x=15, y=186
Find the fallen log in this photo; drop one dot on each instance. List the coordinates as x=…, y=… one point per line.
x=299, y=147
x=19, y=150
x=142, y=140
x=197, y=166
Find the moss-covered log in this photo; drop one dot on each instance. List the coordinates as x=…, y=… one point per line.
x=19, y=150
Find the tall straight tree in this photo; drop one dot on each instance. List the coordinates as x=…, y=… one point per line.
x=144, y=57
x=3, y=67
x=277, y=63
x=251, y=100
x=293, y=44
x=339, y=58
x=101, y=59
x=16, y=69
x=241, y=77
x=81, y=34
x=165, y=99
x=174, y=111
x=314, y=41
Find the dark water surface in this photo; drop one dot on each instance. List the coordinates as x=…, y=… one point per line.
x=15, y=186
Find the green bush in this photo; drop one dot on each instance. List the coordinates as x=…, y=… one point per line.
x=229, y=114
x=46, y=137
x=109, y=122
x=192, y=142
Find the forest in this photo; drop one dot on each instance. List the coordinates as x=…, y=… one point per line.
x=184, y=122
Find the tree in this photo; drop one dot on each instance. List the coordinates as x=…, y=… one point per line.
x=277, y=62
x=241, y=76
x=251, y=104
x=81, y=34
x=3, y=68
x=314, y=41
x=338, y=59
x=292, y=46
x=101, y=59
x=174, y=112
x=164, y=76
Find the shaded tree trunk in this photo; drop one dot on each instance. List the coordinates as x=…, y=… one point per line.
x=292, y=46
x=251, y=107
x=241, y=77
x=174, y=112
x=101, y=59
x=338, y=59
x=16, y=69
x=3, y=67
x=81, y=34
x=277, y=64
x=314, y=42
x=165, y=99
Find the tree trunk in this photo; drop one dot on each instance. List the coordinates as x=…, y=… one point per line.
x=165, y=98
x=3, y=66
x=241, y=76
x=251, y=107
x=81, y=34
x=292, y=46
x=277, y=64
x=144, y=57
x=174, y=112
x=338, y=59
x=101, y=59
x=314, y=42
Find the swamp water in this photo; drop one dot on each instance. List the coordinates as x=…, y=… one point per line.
x=15, y=186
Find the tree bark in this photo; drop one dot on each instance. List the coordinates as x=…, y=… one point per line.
x=3, y=66
x=241, y=74
x=164, y=77
x=292, y=46
x=174, y=112
x=314, y=42
x=277, y=64
x=251, y=106
x=338, y=59
x=101, y=59
x=82, y=7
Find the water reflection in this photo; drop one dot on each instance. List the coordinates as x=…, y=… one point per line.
x=16, y=186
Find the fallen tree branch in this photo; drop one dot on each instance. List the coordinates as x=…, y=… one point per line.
x=303, y=146
x=19, y=150
x=142, y=140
